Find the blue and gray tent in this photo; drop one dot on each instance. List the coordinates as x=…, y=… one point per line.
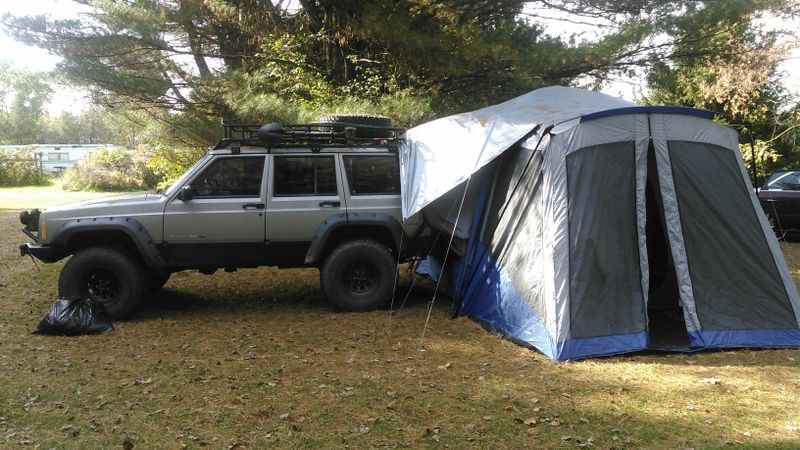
x=582, y=221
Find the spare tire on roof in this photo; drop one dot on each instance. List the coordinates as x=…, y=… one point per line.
x=366, y=125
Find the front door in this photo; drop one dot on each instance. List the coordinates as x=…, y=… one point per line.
x=223, y=224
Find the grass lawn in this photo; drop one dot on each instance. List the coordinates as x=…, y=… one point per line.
x=28, y=197
x=257, y=359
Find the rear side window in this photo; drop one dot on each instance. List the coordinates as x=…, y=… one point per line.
x=230, y=177
x=372, y=174
x=304, y=175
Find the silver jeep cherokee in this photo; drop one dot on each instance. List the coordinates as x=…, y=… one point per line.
x=324, y=195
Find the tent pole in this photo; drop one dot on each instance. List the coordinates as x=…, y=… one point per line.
x=753, y=162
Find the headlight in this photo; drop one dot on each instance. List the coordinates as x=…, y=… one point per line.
x=30, y=219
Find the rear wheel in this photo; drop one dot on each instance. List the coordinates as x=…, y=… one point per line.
x=107, y=275
x=359, y=276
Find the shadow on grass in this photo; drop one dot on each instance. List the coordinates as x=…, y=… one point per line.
x=172, y=302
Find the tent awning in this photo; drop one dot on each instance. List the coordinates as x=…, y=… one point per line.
x=441, y=154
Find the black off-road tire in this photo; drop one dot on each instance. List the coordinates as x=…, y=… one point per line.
x=366, y=125
x=359, y=276
x=108, y=275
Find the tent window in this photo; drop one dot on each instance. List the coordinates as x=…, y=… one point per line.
x=735, y=280
x=605, y=281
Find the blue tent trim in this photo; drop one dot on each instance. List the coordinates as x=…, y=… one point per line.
x=765, y=338
x=490, y=296
x=682, y=110
x=602, y=346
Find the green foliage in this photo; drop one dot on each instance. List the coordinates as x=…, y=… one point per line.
x=124, y=169
x=169, y=163
x=19, y=168
x=94, y=125
x=731, y=70
x=766, y=158
x=112, y=169
x=23, y=95
x=178, y=67
x=254, y=61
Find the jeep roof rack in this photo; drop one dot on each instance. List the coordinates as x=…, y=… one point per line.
x=314, y=136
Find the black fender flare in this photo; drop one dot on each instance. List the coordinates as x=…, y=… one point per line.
x=332, y=223
x=130, y=226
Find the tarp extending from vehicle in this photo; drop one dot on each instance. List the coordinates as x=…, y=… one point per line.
x=592, y=226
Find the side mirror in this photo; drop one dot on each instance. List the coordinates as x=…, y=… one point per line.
x=186, y=194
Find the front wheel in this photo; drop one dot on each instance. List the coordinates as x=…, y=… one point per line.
x=107, y=275
x=359, y=276
x=157, y=280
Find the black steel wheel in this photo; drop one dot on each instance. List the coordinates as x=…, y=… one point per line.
x=359, y=275
x=101, y=285
x=107, y=275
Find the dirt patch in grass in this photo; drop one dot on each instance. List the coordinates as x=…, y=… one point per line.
x=258, y=359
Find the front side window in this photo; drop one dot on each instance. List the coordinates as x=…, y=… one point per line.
x=230, y=177
x=304, y=175
x=372, y=174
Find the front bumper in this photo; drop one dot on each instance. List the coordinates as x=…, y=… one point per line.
x=44, y=253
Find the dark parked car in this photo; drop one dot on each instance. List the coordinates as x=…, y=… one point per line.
x=780, y=198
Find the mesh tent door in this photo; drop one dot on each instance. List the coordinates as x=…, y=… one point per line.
x=734, y=284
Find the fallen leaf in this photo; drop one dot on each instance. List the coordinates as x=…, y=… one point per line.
x=147, y=381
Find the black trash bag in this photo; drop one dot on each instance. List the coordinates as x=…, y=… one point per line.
x=75, y=317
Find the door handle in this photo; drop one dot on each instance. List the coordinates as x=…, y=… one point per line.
x=330, y=204
x=253, y=206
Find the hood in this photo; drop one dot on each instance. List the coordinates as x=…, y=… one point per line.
x=133, y=197
x=113, y=205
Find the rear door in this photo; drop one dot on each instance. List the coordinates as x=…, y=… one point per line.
x=304, y=191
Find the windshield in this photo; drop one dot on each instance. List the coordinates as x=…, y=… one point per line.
x=784, y=181
x=180, y=181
